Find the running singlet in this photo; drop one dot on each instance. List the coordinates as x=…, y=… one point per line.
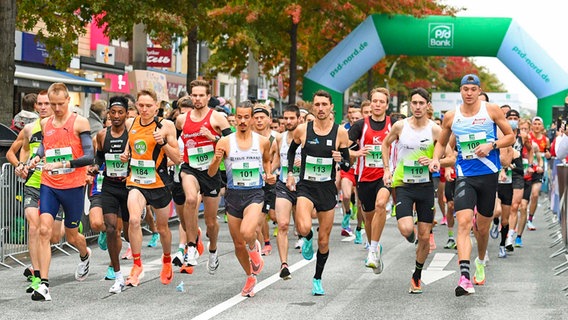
x=413, y=144
x=35, y=140
x=244, y=167
x=148, y=163
x=470, y=132
x=317, y=160
x=370, y=167
x=62, y=144
x=284, y=159
x=112, y=148
x=518, y=162
x=198, y=152
x=540, y=142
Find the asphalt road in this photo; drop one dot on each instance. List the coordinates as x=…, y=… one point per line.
x=522, y=286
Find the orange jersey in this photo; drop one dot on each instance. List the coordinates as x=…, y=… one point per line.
x=148, y=163
x=62, y=144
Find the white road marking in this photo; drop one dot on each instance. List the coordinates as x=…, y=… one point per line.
x=435, y=270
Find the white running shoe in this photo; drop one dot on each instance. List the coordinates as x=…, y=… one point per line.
x=190, y=258
x=212, y=262
x=117, y=287
x=299, y=243
x=41, y=294
x=83, y=267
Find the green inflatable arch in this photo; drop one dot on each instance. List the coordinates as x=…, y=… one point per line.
x=380, y=35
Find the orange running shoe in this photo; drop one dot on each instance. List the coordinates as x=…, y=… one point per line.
x=415, y=288
x=200, y=246
x=127, y=255
x=186, y=269
x=167, y=274
x=248, y=289
x=136, y=274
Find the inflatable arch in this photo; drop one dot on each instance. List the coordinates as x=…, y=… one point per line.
x=380, y=35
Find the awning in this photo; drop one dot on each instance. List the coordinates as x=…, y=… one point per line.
x=30, y=77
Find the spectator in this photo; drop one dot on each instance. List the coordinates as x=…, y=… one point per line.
x=96, y=115
x=28, y=113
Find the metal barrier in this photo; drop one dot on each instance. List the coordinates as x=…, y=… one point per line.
x=13, y=224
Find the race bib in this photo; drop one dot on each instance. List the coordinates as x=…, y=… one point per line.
x=284, y=173
x=58, y=155
x=115, y=167
x=143, y=171
x=414, y=172
x=374, y=159
x=318, y=169
x=200, y=158
x=468, y=143
x=246, y=174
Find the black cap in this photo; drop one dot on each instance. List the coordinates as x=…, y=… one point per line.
x=513, y=113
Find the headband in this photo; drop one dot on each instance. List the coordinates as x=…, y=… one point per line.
x=255, y=110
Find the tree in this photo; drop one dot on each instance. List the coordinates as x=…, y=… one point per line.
x=7, y=69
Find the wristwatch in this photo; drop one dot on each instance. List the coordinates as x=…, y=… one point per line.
x=494, y=145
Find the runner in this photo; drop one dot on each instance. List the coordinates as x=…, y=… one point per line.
x=68, y=150
x=247, y=161
x=324, y=144
x=201, y=129
x=474, y=124
x=151, y=140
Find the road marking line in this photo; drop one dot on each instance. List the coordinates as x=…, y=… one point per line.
x=259, y=286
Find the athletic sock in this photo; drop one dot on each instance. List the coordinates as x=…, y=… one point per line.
x=496, y=221
x=267, y=242
x=320, y=264
x=118, y=274
x=137, y=259
x=36, y=274
x=464, y=268
x=451, y=233
x=531, y=217
x=85, y=257
x=504, y=232
x=45, y=281
x=309, y=236
x=417, y=275
x=167, y=258
x=374, y=246
x=358, y=228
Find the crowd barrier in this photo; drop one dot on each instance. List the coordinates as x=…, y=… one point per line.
x=14, y=226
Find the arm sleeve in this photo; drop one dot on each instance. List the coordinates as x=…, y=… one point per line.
x=292, y=154
x=100, y=158
x=88, y=151
x=344, y=164
x=40, y=151
x=225, y=132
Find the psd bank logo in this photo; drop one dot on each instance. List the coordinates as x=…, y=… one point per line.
x=441, y=35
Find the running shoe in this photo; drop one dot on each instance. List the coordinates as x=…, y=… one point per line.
x=41, y=294
x=212, y=262
x=154, y=240
x=102, y=241
x=110, y=274
x=415, y=288
x=308, y=249
x=225, y=218
x=345, y=222
x=186, y=269
x=479, y=276
x=83, y=267
x=346, y=232
x=117, y=287
x=317, y=289
x=509, y=243
x=29, y=273
x=285, y=273
x=444, y=221
x=34, y=285
x=502, y=252
x=393, y=211
x=275, y=232
x=136, y=274
x=372, y=260
x=167, y=274
x=494, y=232
x=432, y=243
x=127, y=255
x=530, y=225
x=200, y=247
x=248, y=289
x=353, y=215
x=178, y=258
x=464, y=287
x=519, y=242
x=267, y=250
x=190, y=258
x=451, y=244
x=256, y=261
x=358, y=237
x=299, y=243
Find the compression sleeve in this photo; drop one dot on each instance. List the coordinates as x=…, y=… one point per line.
x=292, y=154
x=344, y=164
x=40, y=151
x=225, y=132
x=88, y=151
x=100, y=158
